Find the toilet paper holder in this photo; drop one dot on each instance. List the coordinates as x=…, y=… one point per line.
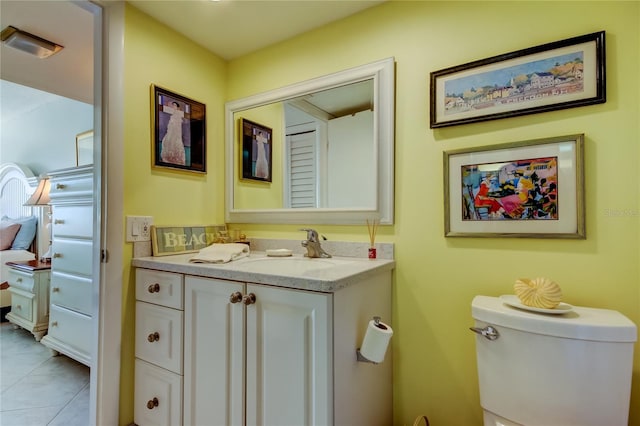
x=362, y=358
x=359, y=356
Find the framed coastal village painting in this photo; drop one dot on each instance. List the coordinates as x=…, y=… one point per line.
x=563, y=74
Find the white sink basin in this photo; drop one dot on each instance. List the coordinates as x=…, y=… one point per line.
x=289, y=265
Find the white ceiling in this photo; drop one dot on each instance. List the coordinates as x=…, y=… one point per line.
x=228, y=28
x=68, y=73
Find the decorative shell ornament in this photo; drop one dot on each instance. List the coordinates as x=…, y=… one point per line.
x=538, y=292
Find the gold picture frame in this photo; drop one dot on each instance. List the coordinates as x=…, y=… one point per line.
x=84, y=148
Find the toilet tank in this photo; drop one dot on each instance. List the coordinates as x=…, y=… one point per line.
x=546, y=369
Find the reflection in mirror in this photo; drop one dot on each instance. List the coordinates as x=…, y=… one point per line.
x=328, y=135
x=331, y=150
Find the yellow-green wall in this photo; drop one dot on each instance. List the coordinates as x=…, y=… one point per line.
x=436, y=277
x=156, y=55
x=253, y=194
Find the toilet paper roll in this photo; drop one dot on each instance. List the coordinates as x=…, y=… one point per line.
x=376, y=340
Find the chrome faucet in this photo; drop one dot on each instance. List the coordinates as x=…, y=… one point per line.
x=312, y=244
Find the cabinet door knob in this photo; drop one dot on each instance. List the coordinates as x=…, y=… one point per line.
x=249, y=299
x=54, y=323
x=19, y=307
x=60, y=186
x=235, y=297
x=55, y=289
x=154, y=288
x=152, y=403
x=153, y=337
x=19, y=280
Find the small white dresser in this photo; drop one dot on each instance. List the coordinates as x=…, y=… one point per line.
x=29, y=287
x=70, y=317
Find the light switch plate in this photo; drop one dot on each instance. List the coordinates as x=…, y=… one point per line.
x=139, y=228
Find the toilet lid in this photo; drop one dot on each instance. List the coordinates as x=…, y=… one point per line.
x=581, y=323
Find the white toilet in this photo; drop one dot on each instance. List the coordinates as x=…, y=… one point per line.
x=553, y=370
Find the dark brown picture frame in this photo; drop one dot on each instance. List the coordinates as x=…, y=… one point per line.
x=553, y=76
x=178, y=131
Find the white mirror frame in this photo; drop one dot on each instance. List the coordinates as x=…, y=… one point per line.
x=383, y=74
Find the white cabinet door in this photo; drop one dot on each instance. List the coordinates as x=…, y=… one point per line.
x=214, y=353
x=289, y=362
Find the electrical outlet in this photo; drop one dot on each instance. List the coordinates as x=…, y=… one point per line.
x=139, y=228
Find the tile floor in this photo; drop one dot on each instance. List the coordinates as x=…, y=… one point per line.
x=36, y=388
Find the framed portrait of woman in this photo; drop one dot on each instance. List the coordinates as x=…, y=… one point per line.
x=256, y=151
x=178, y=131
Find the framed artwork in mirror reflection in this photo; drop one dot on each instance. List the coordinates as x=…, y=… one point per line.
x=256, y=151
x=178, y=131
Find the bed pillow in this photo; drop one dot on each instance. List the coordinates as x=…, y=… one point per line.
x=26, y=234
x=8, y=231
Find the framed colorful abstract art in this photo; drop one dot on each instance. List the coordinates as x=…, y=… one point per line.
x=532, y=189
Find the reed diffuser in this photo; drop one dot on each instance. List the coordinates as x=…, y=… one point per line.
x=372, y=228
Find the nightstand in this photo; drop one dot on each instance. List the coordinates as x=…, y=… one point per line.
x=29, y=287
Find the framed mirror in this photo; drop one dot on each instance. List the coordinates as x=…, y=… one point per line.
x=327, y=156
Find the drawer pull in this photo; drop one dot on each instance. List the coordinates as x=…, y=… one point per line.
x=19, y=280
x=154, y=288
x=152, y=403
x=54, y=324
x=57, y=255
x=55, y=289
x=249, y=299
x=235, y=297
x=153, y=337
x=58, y=222
x=60, y=186
x=19, y=307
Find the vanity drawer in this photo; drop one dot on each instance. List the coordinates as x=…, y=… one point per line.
x=22, y=280
x=161, y=288
x=158, y=396
x=22, y=305
x=73, y=221
x=72, y=256
x=159, y=336
x=70, y=327
x=71, y=292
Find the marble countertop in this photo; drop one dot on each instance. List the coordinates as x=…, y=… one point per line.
x=323, y=275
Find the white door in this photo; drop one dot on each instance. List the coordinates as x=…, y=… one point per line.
x=214, y=353
x=289, y=364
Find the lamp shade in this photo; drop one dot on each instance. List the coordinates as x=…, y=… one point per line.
x=40, y=196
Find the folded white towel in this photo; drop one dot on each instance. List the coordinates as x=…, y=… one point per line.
x=221, y=253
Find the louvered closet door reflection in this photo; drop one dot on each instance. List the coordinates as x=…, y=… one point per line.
x=303, y=170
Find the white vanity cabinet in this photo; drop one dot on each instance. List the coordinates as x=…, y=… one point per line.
x=269, y=345
x=70, y=317
x=260, y=349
